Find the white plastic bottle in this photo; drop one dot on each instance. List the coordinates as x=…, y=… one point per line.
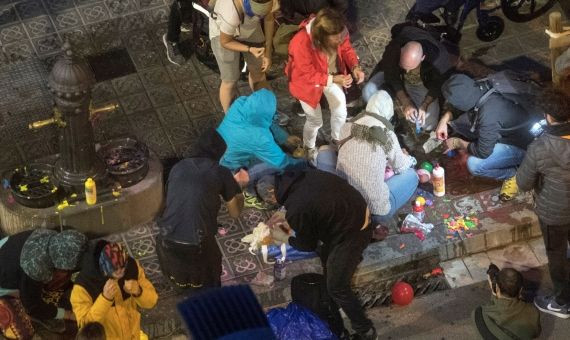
x=438, y=180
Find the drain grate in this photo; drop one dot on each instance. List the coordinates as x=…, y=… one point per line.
x=112, y=64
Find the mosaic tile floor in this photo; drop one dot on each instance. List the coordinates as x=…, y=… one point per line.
x=167, y=106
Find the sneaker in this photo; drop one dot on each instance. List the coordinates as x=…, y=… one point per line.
x=186, y=27
x=172, y=52
x=548, y=304
x=282, y=119
x=252, y=201
x=509, y=189
x=370, y=335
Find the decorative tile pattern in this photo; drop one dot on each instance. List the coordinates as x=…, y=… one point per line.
x=142, y=248
x=244, y=264
x=250, y=218
x=151, y=266
x=154, y=76
x=8, y=15
x=143, y=121
x=12, y=33
x=135, y=102
x=190, y=88
x=468, y=205
x=57, y=6
x=172, y=115
x=29, y=9
x=127, y=85
x=131, y=25
x=156, y=16
x=207, y=122
x=199, y=107
x=162, y=95
x=231, y=226
x=94, y=12
x=120, y=7
x=181, y=133
x=144, y=59
x=48, y=44
x=137, y=232
x=18, y=51
x=232, y=245
x=67, y=19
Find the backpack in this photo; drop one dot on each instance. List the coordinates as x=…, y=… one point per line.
x=516, y=88
x=203, y=11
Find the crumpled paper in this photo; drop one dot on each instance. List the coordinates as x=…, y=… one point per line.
x=411, y=224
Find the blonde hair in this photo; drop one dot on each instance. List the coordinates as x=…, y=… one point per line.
x=327, y=22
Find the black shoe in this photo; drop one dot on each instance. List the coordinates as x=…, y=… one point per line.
x=172, y=51
x=370, y=335
x=548, y=304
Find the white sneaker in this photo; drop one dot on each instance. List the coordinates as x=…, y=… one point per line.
x=312, y=154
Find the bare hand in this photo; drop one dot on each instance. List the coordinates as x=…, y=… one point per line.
x=405, y=152
x=242, y=178
x=132, y=287
x=441, y=130
x=110, y=289
x=359, y=76
x=421, y=116
x=343, y=80
x=265, y=64
x=454, y=143
x=257, y=51
x=410, y=112
x=294, y=140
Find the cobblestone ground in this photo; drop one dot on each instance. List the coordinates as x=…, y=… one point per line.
x=167, y=106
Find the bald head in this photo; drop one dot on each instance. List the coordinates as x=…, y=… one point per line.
x=411, y=55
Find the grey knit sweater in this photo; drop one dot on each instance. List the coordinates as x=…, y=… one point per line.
x=363, y=165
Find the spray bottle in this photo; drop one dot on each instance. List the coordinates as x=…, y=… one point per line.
x=438, y=180
x=90, y=191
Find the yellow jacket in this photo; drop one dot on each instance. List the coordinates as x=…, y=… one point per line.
x=122, y=320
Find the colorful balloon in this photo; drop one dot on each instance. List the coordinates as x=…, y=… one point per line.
x=402, y=293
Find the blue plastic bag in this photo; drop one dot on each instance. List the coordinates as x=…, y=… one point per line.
x=292, y=253
x=299, y=323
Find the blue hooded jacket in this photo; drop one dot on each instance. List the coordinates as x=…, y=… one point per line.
x=251, y=134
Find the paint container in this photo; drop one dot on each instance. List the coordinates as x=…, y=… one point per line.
x=90, y=191
x=438, y=180
x=280, y=270
x=419, y=211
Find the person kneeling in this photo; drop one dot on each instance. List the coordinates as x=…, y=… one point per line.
x=506, y=317
x=109, y=290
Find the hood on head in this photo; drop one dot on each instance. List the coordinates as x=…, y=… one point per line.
x=34, y=258
x=462, y=92
x=560, y=146
x=381, y=103
x=284, y=182
x=66, y=248
x=256, y=109
x=210, y=145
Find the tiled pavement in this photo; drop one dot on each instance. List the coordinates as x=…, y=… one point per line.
x=167, y=106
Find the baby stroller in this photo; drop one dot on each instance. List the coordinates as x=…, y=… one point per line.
x=490, y=27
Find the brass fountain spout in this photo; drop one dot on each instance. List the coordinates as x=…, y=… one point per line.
x=56, y=119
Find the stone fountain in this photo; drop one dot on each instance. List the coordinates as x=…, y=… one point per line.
x=49, y=192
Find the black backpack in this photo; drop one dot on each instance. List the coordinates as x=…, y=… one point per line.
x=518, y=89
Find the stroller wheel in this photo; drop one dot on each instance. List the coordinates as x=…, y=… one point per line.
x=491, y=29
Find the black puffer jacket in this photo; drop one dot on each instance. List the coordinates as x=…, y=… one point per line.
x=546, y=169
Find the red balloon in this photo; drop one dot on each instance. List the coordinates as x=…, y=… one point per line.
x=402, y=293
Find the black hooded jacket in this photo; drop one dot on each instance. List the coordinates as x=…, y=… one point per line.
x=193, y=192
x=498, y=120
x=435, y=68
x=320, y=207
x=546, y=169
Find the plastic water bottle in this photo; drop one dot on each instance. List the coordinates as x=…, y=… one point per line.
x=419, y=211
x=280, y=270
x=438, y=180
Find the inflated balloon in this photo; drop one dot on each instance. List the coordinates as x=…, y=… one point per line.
x=402, y=293
x=427, y=166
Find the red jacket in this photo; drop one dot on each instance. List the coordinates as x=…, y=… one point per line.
x=307, y=67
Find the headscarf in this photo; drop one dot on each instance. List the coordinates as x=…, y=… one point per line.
x=113, y=257
x=46, y=250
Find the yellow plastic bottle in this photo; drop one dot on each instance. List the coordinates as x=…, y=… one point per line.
x=90, y=191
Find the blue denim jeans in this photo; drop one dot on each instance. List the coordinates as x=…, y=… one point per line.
x=326, y=159
x=402, y=188
x=501, y=164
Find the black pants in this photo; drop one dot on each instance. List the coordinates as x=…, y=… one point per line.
x=190, y=266
x=339, y=265
x=179, y=10
x=556, y=238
